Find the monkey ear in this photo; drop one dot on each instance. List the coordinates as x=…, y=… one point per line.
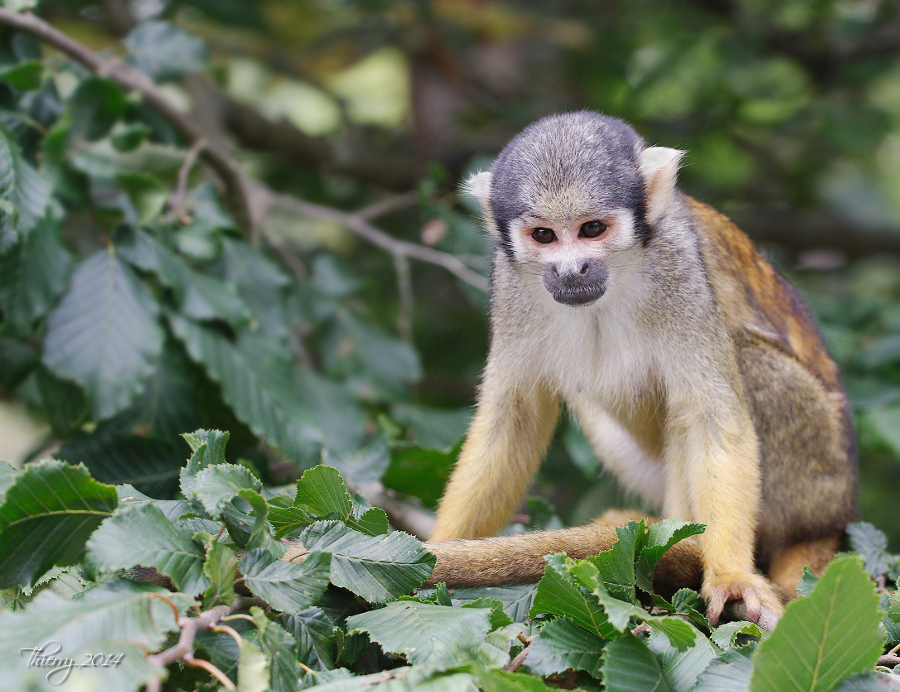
x=479, y=187
x=659, y=166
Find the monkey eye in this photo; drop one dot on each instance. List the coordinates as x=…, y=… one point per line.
x=543, y=235
x=591, y=229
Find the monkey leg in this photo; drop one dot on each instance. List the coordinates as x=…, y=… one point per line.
x=520, y=559
x=786, y=566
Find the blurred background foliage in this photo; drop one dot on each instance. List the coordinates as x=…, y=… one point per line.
x=308, y=308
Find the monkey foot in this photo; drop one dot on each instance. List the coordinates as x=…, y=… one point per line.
x=756, y=592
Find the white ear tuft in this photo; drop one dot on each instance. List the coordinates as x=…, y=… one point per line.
x=479, y=187
x=659, y=166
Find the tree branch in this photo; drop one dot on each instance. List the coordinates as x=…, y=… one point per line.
x=132, y=79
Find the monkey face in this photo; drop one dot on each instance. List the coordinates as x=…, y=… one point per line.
x=573, y=256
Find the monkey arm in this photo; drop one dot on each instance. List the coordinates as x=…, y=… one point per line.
x=506, y=442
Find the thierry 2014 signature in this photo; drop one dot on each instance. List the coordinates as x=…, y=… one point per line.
x=48, y=656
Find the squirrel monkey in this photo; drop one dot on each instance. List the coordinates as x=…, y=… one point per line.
x=693, y=367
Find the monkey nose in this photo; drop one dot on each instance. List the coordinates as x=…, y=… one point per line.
x=584, y=268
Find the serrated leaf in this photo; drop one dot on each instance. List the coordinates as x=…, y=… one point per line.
x=141, y=535
x=208, y=449
x=199, y=296
x=630, y=666
x=21, y=187
x=559, y=594
x=117, y=610
x=48, y=513
x=661, y=536
x=255, y=386
x=364, y=465
x=322, y=490
x=681, y=667
x=807, y=582
x=221, y=568
x=424, y=633
x=498, y=617
x=34, y=277
x=730, y=672
x=217, y=485
x=165, y=52
x=616, y=565
x=313, y=631
x=246, y=535
x=280, y=650
x=872, y=544
x=517, y=599
x=726, y=635
x=372, y=521
x=823, y=638
x=287, y=586
x=563, y=645
x=377, y=568
x=103, y=334
x=870, y=681
x=260, y=283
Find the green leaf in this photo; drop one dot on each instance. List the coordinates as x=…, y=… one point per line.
x=730, y=672
x=165, y=52
x=562, y=645
x=141, y=535
x=253, y=669
x=254, y=384
x=199, y=296
x=244, y=534
x=280, y=650
x=129, y=137
x=823, y=638
x=7, y=478
x=113, y=612
x=424, y=633
x=378, y=568
x=616, y=566
x=146, y=193
x=34, y=277
x=25, y=75
x=629, y=666
x=682, y=667
x=870, y=681
x=322, y=490
x=48, y=512
x=499, y=618
x=260, y=283
x=807, y=582
x=22, y=187
x=872, y=545
x=661, y=536
x=221, y=569
x=517, y=599
x=208, y=449
x=313, y=631
x=288, y=587
x=559, y=594
x=96, y=105
x=364, y=465
x=501, y=681
x=215, y=486
x=104, y=334
x=726, y=635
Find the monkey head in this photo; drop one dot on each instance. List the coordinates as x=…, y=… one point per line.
x=569, y=194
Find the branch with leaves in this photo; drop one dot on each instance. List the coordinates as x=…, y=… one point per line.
x=252, y=200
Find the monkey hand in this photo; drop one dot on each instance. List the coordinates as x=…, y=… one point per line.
x=755, y=590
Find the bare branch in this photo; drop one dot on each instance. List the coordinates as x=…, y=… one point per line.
x=176, y=202
x=365, y=230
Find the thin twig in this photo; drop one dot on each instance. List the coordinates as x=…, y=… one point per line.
x=176, y=201
x=888, y=660
x=365, y=230
x=517, y=662
x=387, y=205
